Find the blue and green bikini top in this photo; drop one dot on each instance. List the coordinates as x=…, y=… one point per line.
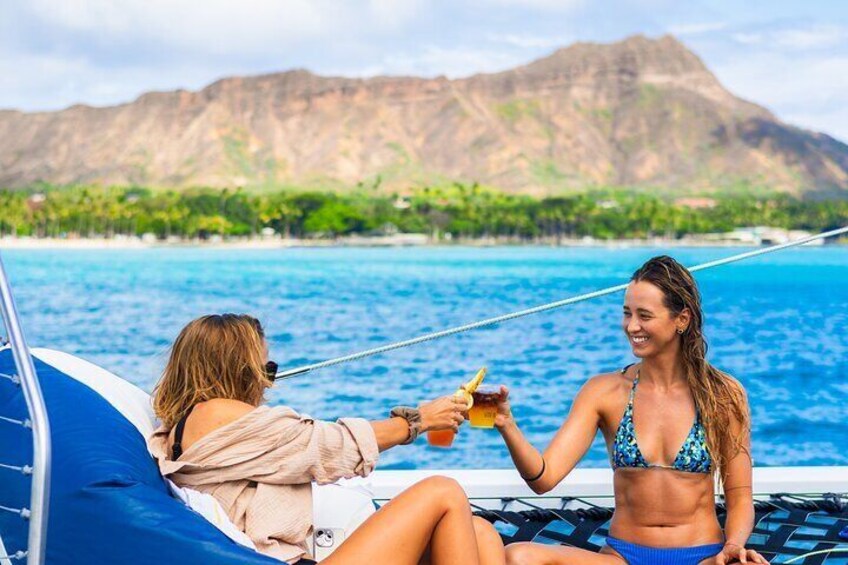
x=693, y=456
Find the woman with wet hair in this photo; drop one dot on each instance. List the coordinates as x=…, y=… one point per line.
x=672, y=423
x=218, y=437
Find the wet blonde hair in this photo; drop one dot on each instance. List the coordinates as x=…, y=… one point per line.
x=217, y=356
x=719, y=397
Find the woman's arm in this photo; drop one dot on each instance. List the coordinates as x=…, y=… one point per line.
x=447, y=412
x=390, y=433
x=737, y=477
x=570, y=444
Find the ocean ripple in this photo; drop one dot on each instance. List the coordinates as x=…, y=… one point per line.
x=776, y=322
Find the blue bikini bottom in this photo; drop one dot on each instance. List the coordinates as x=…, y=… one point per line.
x=636, y=554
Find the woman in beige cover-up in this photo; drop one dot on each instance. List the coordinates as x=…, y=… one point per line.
x=259, y=462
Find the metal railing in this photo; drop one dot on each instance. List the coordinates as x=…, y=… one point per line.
x=39, y=471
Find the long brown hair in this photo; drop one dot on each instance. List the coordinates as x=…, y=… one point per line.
x=719, y=397
x=217, y=356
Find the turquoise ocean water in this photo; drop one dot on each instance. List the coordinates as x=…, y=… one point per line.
x=778, y=323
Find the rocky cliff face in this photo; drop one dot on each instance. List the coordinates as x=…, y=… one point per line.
x=638, y=112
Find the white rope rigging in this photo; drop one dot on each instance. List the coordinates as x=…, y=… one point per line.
x=290, y=373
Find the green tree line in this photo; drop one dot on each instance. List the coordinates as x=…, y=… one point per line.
x=468, y=211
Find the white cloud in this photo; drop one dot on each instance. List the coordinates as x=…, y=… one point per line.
x=102, y=52
x=44, y=82
x=549, y=5
x=529, y=41
x=801, y=38
x=813, y=38
x=395, y=14
x=804, y=91
x=37, y=77
x=696, y=28
x=451, y=62
x=214, y=26
x=747, y=38
x=833, y=122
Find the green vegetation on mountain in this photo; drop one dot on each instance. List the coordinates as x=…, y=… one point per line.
x=468, y=211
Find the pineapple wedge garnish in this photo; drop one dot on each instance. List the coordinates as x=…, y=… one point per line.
x=465, y=391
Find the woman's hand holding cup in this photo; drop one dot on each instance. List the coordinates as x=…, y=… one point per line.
x=503, y=418
x=443, y=413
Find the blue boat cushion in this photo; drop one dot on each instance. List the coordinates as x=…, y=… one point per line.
x=108, y=502
x=784, y=528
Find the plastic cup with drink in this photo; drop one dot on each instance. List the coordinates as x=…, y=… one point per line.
x=444, y=438
x=485, y=407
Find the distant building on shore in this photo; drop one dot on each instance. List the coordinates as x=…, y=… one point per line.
x=757, y=235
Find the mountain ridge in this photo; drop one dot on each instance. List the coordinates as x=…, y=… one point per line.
x=639, y=112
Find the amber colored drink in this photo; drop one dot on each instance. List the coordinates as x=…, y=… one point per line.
x=482, y=413
x=440, y=438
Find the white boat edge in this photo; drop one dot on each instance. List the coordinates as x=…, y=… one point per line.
x=495, y=488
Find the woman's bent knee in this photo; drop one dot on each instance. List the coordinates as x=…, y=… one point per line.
x=522, y=553
x=446, y=487
x=446, y=494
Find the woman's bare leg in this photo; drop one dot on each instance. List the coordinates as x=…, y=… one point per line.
x=490, y=546
x=489, y=543
x=432, y=513
x=527, y=553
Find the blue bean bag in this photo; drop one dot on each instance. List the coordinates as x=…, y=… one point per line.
x=108, y=502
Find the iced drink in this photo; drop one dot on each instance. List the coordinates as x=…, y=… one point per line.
x=440, y=438
x=482, y=413
x=444, y=438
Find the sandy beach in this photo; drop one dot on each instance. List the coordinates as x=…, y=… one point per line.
x=400, y=240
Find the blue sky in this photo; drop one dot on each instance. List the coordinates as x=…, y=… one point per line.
x=791, y=57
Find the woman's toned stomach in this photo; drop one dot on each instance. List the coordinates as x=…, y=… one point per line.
x=664, y=508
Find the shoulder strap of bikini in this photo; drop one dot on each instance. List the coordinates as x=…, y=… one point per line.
x=633, y=387
x=177, y=448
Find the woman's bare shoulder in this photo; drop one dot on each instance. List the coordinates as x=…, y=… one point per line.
x=219, y=412
x=606, y=391
x=604, y=383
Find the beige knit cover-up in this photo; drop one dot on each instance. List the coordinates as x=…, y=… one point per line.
x=261, y=466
